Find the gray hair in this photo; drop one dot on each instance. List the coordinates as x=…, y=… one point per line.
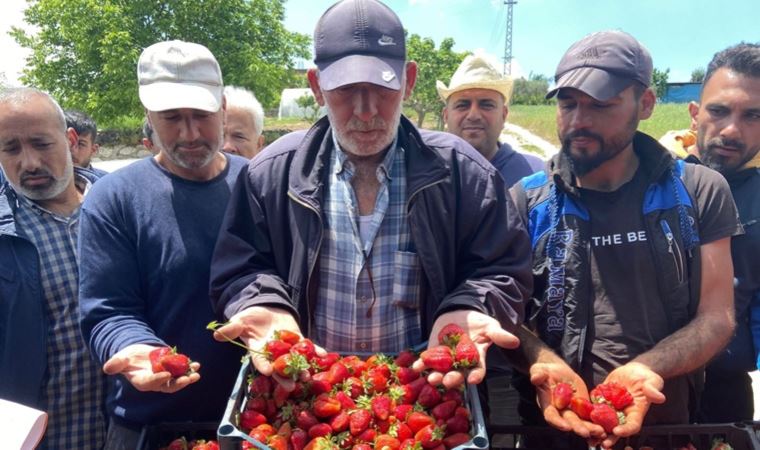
x=238, y=97
x=19, y=95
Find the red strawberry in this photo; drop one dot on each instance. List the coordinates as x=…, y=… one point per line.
x=340, y=422
x=401, y=411
x=444, y=410
x=287, y=336
x=353, y=386
x=345, y=400
x=258, y=404
x=306, y=348
x=337, y=373
x=375, y=381
x=457, y=424
x=402, y=431
x=326, y=406
x=604, y=415
x=429, y=396
x=367, y=435
x=462, y=411
x=355, y=365
x=581, y=407
x=250, y=419
x=455, y=440
x=561, y=395
x=410, y=444
x=280, y=395
x=298, y=439
x=319, y=385
x=155, y=356
x=278, y=442
x=305, y=419
x=466, y=355
x=179, y=443
x=262, y=432
x=205, y=445
x=406, y=375
x=319, y=430
x=381, y=406
x=438, y=358
x=616, y=394
x=361, y=447
x=324, y=362
x=451, y=334
x=261, y=385
x=386, y=442
x=290, y=365
x=405, y=358
x=430, y=436
x=453, y=394
x=418, y=420
x=275, y=349
x=359, y=420
x=412, y=390
x=175, y=363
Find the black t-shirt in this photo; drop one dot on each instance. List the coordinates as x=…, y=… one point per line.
x=629, y=317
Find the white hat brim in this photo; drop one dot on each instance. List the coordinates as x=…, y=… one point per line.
x=503, y=87
x=163, y=96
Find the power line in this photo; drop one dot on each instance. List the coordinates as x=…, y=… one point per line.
x=508, y=40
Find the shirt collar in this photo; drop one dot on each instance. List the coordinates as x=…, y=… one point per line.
x=82, y=184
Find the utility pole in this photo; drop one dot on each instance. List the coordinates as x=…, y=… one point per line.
x=508, y=41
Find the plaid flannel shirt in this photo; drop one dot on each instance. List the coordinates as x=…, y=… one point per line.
x=368, y=297
x=75, y=385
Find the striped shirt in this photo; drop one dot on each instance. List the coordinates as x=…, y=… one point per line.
x=73, y=393
x=368, y=297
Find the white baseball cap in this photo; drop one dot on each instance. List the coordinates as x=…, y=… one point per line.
x=177, y=74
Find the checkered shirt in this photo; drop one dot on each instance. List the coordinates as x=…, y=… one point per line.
x=74, y=386
x=349, y=269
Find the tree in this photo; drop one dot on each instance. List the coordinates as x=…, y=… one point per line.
x=697, y=75
x=432, y=64
x=311, y=108
x=531, y=91
x=660, y=81
x=85, y=52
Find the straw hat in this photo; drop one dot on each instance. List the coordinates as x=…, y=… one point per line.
x=476, y=73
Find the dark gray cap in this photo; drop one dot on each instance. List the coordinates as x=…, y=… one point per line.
x=602, y=64
x=359, y=41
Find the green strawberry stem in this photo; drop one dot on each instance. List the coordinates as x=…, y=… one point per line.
x=214, y=326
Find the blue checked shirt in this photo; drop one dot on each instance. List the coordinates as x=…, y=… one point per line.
x=368, y=298
x=74, y=389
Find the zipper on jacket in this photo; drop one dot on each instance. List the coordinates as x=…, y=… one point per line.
x=314, y=262
x=673, y=249
x=414, y=194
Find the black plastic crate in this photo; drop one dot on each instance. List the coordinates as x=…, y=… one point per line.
x=230, y=437
x=702, y=436
x=154, y=437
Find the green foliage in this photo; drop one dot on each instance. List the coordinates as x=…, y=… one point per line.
x=310, y=107
x=531, y=91
x=85, y=51
x=660, y=81
x=697, y=75
x=432, y=64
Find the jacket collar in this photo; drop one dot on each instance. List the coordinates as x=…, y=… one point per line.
x=312, y=159
x=653, y=158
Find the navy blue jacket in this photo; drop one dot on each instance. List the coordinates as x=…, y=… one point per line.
x=23, y=318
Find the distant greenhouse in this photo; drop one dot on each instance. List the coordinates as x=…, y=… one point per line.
x=289, y=107
x=682, y=93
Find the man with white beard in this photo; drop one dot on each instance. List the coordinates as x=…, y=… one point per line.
x=148, y=234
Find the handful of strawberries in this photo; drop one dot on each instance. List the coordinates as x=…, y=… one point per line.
x=455, y=351
x=351, y=403
x=167, y=359
x=183, y=444
x=608, y=400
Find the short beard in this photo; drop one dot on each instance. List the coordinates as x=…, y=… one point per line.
x=190, y=163
x=717, y=162
x=51, y=191
x=584, y=164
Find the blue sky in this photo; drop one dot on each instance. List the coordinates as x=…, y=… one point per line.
x=681, y=34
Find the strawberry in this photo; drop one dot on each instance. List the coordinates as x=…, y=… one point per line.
x=410, y=444
x=466, y=355
x=359, y=420
x=275, y=349
x=324, y=362
x=306, y=348
x=170, y=361
x=386, y=442
x=361, y=447
x=261, y=385
x=319, y=430
x=262, y=432
x=258, y=404
x=381, y=406
x=455, y=440
x=353, y=386
x=345, y=400
x=155, y=356
x=604, y=415
x=319, y=385
x=406, y=375
x=457, y=424
x=278, y=442
x=616, y=394
x=179, y=443
x=287, y=336
x=463, y=412
x=429, y=396
x=418, y=420
x=355, y=365
x=375, y=380
x=205, y=445
x=405, y=358
x=453, y=394
x=280, y=395
x=444, y=410
x=367, y=435
x=337, y=373
x=326, y=406
x=250, y=419
x=340, y=422
x=298, y=439
x=305, y=419
x=451, y=334
x=430, y=436
x=581, y=407
x=412, y=390
x=561, y=395
x=438, y=358
x=290, y=365
x=401, y=411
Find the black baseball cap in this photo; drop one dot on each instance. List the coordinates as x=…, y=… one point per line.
x=602, y=64
x=359, y=41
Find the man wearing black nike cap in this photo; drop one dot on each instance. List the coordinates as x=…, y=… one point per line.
x=631, y=252
x=364, y=233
